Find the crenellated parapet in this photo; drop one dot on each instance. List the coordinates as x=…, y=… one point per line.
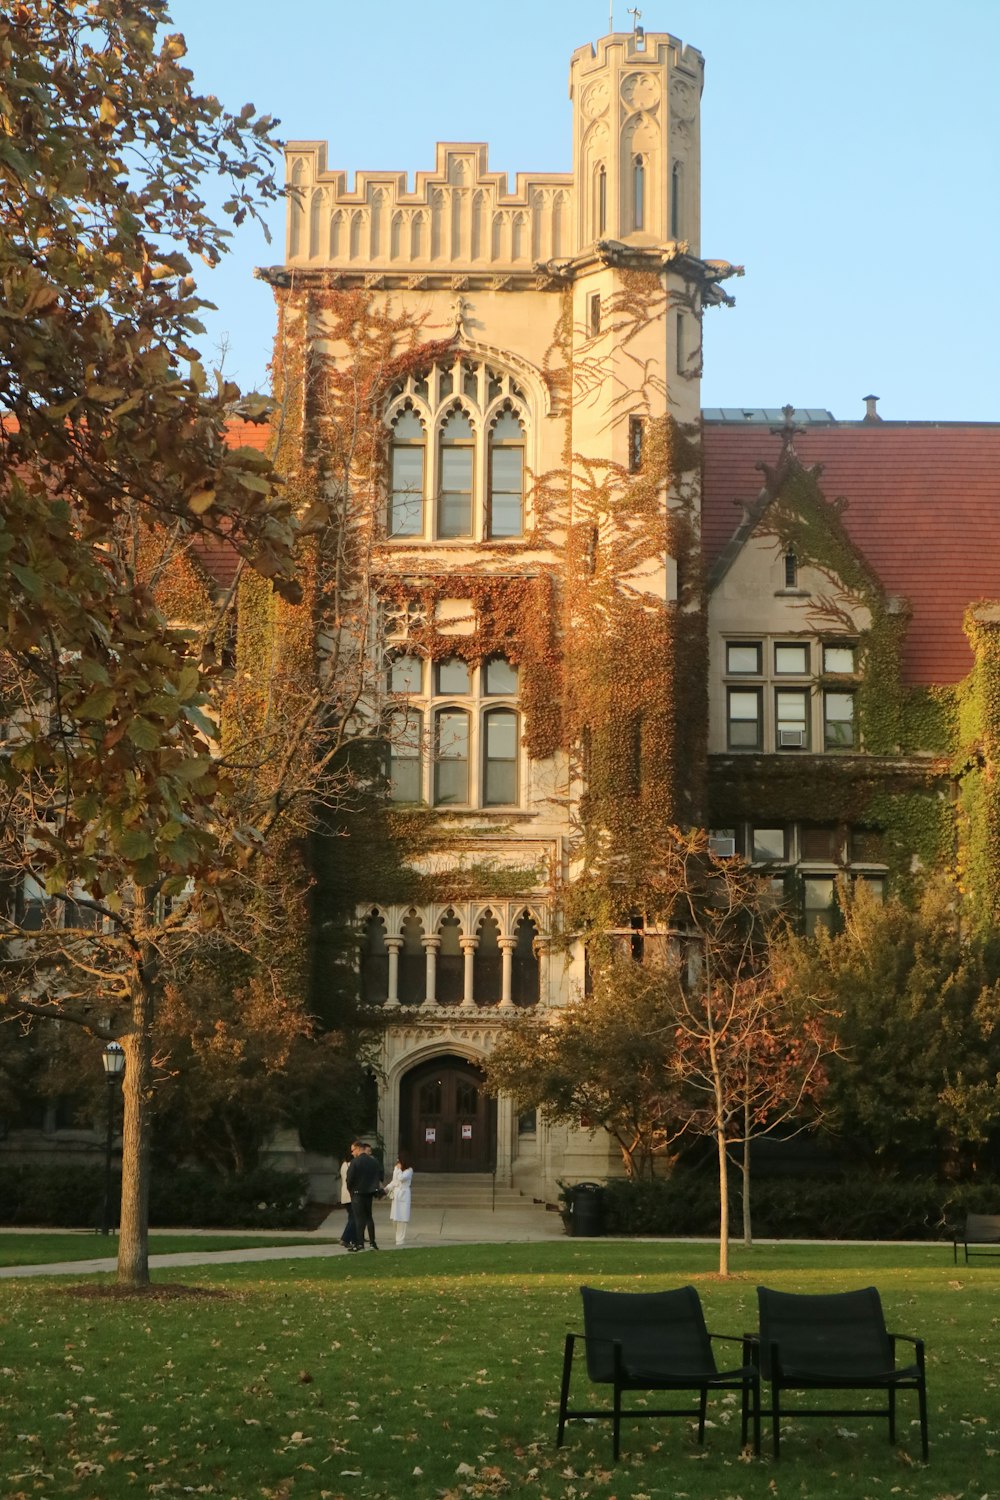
x=459, y=214
x=635, y=179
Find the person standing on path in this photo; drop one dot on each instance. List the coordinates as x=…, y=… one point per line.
x=363, y=1178
x=349, y=1236
x=399, y=1192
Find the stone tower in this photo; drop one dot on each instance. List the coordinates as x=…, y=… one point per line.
x=524, y=500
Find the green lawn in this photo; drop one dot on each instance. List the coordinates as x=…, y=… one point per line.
x=434, y=1372
x=45, y=1247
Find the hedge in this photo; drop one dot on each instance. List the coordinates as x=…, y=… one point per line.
x=855, y=1207
x=71, y=1197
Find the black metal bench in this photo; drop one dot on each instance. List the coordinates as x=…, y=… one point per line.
x=981, y=1236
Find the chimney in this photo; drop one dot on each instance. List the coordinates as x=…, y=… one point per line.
x=871, y=409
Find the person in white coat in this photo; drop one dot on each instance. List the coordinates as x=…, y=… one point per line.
x=399, y=1192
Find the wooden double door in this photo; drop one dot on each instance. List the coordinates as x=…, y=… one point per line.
x=447, y=1122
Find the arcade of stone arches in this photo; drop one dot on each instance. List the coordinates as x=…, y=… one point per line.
x=464, y=955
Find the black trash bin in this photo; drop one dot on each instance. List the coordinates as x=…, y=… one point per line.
x=588, y=1209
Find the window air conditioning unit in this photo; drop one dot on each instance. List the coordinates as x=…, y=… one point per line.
x=791, y=739
x=722, y=848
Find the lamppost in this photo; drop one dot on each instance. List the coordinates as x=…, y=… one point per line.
x=113, y=1058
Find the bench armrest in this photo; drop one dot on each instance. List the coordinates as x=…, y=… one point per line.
x=906, y=1338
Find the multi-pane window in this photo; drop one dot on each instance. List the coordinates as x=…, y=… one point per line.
x=838, y=721
x=457, y=446
x=455, y=740
x=500, y=757
x=791, y=718
x=819, y=902
x=804, y=862
x=405, y=735
x=796, y=707
x=451, y=756
x=743, y=658
x=838, y=658
x=455, y=494
x=791, y=658
x=406, y=499
x=506, y=502
x=744, y=717
x=768, y=845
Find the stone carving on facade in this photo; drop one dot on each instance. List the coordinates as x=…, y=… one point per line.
x=460, y=310
x=683, y=105
x=596, y=99
x=640, y=93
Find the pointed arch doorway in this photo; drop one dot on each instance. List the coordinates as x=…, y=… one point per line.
x=447, y=1123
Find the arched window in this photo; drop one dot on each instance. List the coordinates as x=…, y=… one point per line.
x=405, y=733
x=455, y=493
x=602, y=199
x=638, y=193
x=471, y=483
x=506, y=499
x=374, y=962
x=451, y=757
x=487, y=966
x=499, y=757
x=676, y=180
x=524, y=965
x=412, y=962
x=406, y=498
x=450, y=962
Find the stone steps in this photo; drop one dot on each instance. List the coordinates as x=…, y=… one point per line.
x=465, y=1190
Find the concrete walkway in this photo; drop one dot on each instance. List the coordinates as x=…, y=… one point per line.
x=428, y=1226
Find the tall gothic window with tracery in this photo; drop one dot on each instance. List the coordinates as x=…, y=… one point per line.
x=457, y=445
x=454, y=732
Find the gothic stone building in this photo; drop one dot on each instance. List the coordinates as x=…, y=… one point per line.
x=584, y=595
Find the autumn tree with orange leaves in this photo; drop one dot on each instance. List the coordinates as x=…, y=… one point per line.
x=690, y=1030
x=122, y=835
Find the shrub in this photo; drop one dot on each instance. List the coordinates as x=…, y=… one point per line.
x=262, y=1199
x=71, y=1197
x=856, y=1207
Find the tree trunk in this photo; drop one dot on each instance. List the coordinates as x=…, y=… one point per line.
x=745, y=1168
x=133, y=1245
x=720, y=1141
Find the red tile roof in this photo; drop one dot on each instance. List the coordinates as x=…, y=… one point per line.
x=923, y=508
x=216, y=556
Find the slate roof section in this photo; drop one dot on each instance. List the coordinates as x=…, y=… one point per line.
x=923, y=506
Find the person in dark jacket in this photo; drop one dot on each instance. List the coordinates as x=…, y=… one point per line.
x=363, y=1180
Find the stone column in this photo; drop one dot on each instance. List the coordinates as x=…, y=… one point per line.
x=431, y=946
x=507, y=946
x=542, y=947
x=469, y=946
x=394, y=946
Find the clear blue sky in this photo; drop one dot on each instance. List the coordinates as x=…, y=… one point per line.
x=849, y=156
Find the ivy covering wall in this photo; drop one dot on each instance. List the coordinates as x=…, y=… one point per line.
x=928, y=777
